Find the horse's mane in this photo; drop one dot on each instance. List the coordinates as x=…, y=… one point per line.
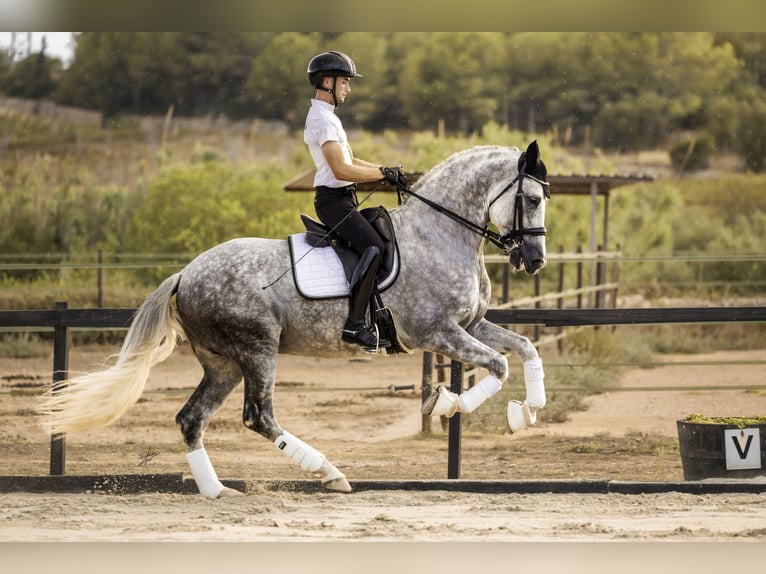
x=464, y=155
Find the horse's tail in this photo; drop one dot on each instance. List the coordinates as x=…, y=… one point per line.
x=97, y=399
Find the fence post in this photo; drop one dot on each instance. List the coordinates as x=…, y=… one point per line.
x=600, y=280
x=440, y=365
x=100, y=280
x=560, y=300
x=427, y=378
x=60, y=368
x=506, y=282
x=453, y=454
x=615, y=276
x=536, y=328
x=579, y=278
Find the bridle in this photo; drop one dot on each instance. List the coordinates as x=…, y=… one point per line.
x=515, y=237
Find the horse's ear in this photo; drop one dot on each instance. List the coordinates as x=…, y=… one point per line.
x=531, y=164
x=528, y=159
x=532, y=155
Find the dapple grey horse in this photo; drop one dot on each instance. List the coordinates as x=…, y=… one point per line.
x=237, y=319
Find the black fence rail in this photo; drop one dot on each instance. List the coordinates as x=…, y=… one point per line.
x=62, y=319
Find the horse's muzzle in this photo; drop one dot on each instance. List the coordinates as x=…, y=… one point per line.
x=534, y=266
x=531, y=263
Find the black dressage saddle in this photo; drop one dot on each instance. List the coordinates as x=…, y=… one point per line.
x=319, y=235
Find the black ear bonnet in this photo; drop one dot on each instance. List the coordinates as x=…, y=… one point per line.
x=531, y=164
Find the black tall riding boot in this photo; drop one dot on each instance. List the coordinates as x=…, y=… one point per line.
x=362, y=283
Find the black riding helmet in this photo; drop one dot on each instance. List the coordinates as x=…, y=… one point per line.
x=330, y=64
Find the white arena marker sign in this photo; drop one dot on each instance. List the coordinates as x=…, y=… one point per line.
x=743, y=449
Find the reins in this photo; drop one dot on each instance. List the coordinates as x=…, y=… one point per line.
x=515, y=237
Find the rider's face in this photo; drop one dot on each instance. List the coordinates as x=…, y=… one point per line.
x=342, y=87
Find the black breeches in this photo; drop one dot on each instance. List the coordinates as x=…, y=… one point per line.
x=337, y=208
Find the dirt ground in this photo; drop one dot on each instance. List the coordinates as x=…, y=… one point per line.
x=347, y=410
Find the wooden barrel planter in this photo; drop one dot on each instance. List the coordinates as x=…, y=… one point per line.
x=722, y=447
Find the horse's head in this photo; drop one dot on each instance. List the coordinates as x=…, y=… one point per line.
x=520, y=217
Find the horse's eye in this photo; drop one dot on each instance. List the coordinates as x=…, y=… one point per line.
x=534, y=201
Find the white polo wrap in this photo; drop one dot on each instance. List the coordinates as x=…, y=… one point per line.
x=204, y=473
x=470, y=400
x=533, y=379
x=309, y=458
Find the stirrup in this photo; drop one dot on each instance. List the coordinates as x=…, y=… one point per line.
x=365, y=338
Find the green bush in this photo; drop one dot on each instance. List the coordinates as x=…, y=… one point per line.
x=692, y=154
x=751, y=140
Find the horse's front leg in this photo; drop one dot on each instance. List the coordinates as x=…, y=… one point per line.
x=519, y=414
x=457, y=344
x=483, y=345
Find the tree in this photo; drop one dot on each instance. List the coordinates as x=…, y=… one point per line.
x=371, y=95
x=456, y=78
x=141, y=72
x=277, y=83
x=208, y=71
x=5, y=68
x=751, y=134
x=750, y=49
x=100, y=77
x=690, y=72
x=32, y=77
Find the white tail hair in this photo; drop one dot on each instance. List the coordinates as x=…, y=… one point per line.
x=97, y=399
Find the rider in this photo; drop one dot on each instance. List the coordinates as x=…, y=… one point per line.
x=337, y=173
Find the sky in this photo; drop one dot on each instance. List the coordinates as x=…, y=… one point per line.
x=58, y=44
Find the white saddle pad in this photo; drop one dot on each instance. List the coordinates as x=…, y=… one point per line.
x=319, y=273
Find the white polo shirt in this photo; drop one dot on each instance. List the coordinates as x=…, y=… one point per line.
x=322, y=125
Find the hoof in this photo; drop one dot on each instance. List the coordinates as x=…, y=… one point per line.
x=428, y=405
x=339, y=484
x=440, y=402
x=229, y=493
x=519, y=416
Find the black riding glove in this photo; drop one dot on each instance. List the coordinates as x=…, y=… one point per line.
x=394, y=176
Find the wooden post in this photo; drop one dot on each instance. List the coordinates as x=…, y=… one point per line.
x=60, y=368
x=537, y=306
x=560, y=300
x=579, y=278
x=428, y=375
x=441, y=379
x=453, y=452
x=506, y=282
x=100, y=281
x=592, y=243
x=615, y=277
x=599, y=294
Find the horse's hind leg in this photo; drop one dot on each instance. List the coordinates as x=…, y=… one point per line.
x=258, y=415
x=221, y=377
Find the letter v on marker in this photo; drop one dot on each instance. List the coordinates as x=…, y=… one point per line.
x=738, y=444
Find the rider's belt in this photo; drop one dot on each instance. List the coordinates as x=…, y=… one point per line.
x=350, y=188
x=339, y=192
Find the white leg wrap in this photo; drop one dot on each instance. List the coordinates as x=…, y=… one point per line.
x=533, y=378
x=470, y=400
x=309, y=458
x=204, y=473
